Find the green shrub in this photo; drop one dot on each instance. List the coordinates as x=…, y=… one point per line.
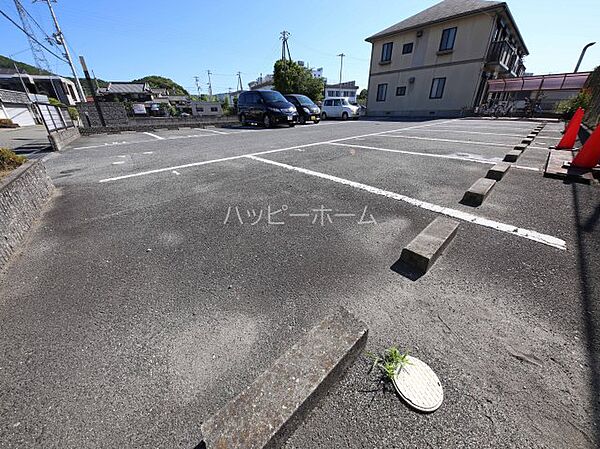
x=10, y=160
x=73, y=113
x=568, y=107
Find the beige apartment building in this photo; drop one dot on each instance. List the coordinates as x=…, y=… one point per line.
x=437, y=62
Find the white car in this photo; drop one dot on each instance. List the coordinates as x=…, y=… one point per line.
x=339, y=107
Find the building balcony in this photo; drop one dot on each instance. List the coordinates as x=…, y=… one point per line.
x=503, y=57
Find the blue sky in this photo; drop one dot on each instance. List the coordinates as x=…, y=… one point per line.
x=128, y=39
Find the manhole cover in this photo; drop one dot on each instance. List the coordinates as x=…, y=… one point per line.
x=419, y=386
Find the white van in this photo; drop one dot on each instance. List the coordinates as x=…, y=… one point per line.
x=339, y=107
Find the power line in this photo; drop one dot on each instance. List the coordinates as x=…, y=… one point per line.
x=30, y=36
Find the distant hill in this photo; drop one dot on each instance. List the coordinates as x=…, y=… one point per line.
x=158, y=82
x=7, y=63
x=154, y=81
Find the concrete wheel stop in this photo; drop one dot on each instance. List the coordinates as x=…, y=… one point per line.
x=498, y=171
x=267, y=412
x=422, y=252
x=478, y=192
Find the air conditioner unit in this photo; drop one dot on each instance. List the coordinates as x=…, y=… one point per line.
x=411, y=80
x=419, y=33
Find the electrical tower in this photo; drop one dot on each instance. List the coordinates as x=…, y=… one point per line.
x=197, y=78
x=60, y=40
x=240, y=86
x=284, y=36
x=38, y=54
x=209, y=86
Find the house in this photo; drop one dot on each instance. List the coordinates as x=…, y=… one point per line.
x=63, y=89
x=346, y=89
x=124, y=91
x=438, y=62
x=211, y=108
x=264, y=83
x=16, y=106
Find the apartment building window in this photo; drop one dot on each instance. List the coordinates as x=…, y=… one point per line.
x=437, y=88
x=381, y=92
x=386, y=52
x=407, y=48
x=400, y=91
x=214, y=109
x=448, y=37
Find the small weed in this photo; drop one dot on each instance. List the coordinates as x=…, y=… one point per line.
x=389, y=362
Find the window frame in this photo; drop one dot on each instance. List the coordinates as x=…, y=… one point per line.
x=410, y=49
x=401, y=91
x=385, y=46
x=446, y=33
x=382, y=97
x=437, y=93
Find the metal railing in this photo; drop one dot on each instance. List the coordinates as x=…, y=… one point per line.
x=55, y=117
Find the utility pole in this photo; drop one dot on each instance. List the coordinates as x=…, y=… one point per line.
x=341, y=56
x=60, y=39
x=240, y=85
x=91, y=87
x=197, y=78
x=284, y=36
x=209, y=86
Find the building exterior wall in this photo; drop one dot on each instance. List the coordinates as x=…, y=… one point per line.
x=462, y=67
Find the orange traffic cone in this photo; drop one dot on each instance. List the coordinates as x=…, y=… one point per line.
x=589, y=154
x=568, y=140
x=570, y=121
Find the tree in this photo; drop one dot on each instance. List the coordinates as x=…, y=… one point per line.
x=362, y=97
x=291, y=78
x=160, y=82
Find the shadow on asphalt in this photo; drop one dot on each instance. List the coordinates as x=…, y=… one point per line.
x=590, y=308
x=405, y=270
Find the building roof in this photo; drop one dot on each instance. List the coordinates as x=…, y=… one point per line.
x=445, y=10
x=127, y=88
x=344, y=85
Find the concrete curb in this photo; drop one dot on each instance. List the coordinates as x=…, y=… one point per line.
x=498, y=171
x=266, y=413
x=23, y=194
x=478, y=192
x=527, y=140
x=422, y=252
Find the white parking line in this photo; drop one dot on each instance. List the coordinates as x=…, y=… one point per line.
x=154, y=135
x=435, y=139
x=118, y=162
x=469, y=157
x=460, y=215
x=450, y=130
x=231, y=158
x=214, y=131
x=480, y=160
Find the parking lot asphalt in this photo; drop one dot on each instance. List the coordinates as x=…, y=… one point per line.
x=171, y=268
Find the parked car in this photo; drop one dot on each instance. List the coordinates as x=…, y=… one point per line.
x=266, y=107
x=339, y=107
x=307, y=109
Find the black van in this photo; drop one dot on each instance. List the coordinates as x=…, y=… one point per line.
x=267, y=107
x=307, y=109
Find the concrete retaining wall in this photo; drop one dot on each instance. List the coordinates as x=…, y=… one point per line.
x=23, y=194
x=62, y=137
x=150, y=124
